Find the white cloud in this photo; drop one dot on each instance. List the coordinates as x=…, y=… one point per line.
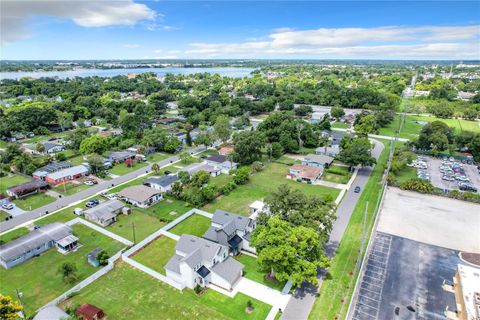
x=391, y=42
x=155, y=27
x=16, y=13
x=131, y=45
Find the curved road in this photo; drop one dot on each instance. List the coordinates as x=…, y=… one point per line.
x=301, y=303
x=69, y=200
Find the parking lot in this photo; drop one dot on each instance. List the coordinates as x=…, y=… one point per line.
x=438, y=179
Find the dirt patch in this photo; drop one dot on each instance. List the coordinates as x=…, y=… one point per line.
x=473, y=258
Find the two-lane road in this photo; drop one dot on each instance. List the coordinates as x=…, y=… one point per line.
x=66, y=201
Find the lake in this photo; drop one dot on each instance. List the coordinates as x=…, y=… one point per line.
x=222, y=71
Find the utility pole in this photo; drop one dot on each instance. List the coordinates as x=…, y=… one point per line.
x=20, y=301
x=133, y=230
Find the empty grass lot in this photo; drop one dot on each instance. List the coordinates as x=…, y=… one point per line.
x=69, y=188
x=37, y=278
x=253, y=272
x=337, y=174
x=262, y=184
x=195, y=225
x=33, y=201
x=127, y=293
x=157, y=156
x=157, y=254
x=406, y=174
x=166, y=210
x=341, y=125
x=337, y=287
x=121, y=168
x=144, y=225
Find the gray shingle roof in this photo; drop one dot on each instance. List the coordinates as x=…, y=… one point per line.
x=228, y=269
x=318, y=158
x=163, y=181
x=217, y=158
x=52, y=167
x=188, y=244
x=54, y=231
x=194, y=167
x=223, y=217
x=138, y=193
x=174, y=264
x=106, y=210
x=72, y=171
x=28, y=187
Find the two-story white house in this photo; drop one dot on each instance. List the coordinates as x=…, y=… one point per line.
x=201, y=262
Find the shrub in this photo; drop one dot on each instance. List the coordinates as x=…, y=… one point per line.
x=242, y=176
x=198, y=289
x=418, y=185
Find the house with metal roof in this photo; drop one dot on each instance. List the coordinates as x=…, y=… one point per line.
x=55, y=234
x=201, y=262
x=67, y=174
x=27, y=188
x=141, y=196
x=105, y=213
x=221, y=162
x=163, y=183
x=231, y=230
x=42, y=172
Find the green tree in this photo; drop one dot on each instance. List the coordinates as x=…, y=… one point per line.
x=337, y=112
x=156, y=167
x=435, y=135
x=95, y=144
x=40, y=147
x=276, y=150
x=248, y=146
x=184, y=157
x=289, y=252
x=60, y=156
x=184, y=177
x=95, y=162
x=358, y=152
x=242, y=175
x=366, y=125
x=204, y=138
x=68, y=271
x=222, y=128
x=200, y=178
x=9, y=308
x=103, y=257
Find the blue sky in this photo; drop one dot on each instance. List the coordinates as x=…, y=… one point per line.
x=128, y=29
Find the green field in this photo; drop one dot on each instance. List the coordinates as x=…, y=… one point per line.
x=262, y=184
x=33, y=201
x=341, y=125
x=3, y=215
x=253, y=272
x=167, y=210
x=69, y=188
x=37, y=278
x=337, y=174
x=127, y=293
x=411, y=129
x=157, y=254
x=11, y=181
x=158, y=156
x=143, y=223
x=195, y=225
x=406, y=174
x=336, y=289
x=121, y=168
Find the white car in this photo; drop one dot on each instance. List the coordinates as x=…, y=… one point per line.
x=89, y=183
x=8, y=206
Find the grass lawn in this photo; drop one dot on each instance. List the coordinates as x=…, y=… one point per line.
x=341, y=125
x=195, y=225
x=167, y=210
x=157, y=254
x=38, y=279
x=127, y=293
x=262, y=184
x=33, y=201
x=221, y=180
x=338, y=174
x=253, y=272
x=121, y=168
x=69, y=188
x=406, y=174
x=3, y=215
x=207, y=152
x=77, y=160
x=337, y=287
x=144, y=225
x=10, y=181
x=158, y=156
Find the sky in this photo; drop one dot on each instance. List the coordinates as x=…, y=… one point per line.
x=130, y=29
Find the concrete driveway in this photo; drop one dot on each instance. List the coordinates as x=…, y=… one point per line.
x=16, y=211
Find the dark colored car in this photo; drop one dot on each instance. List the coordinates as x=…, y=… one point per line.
x=166, y=172
x=92, y=203
x=466, y=187
x=357, y=189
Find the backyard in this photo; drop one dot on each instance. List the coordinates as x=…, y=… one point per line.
x=195, y=225
x=253, y=272
x=121, y=168
x=12, y=180
x=337, y=174
x=33, y=201
x=144, y=225
x=127, y=293
x=38, y=288
x=156, y=254
x=260, y=185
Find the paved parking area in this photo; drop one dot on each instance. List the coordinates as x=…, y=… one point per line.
x=436, y=176
x=435, y=220
x=403, y=273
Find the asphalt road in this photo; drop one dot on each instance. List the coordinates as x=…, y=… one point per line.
x=301, y=304
x=66, y=201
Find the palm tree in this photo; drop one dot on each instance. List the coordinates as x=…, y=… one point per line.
x=155, y=167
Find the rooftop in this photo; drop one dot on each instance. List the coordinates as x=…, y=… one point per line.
x=306, y=171
x=72, y=171
x=138, y=193
x=318, y=158
x=163, y=181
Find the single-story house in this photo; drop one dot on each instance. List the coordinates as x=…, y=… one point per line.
x=135, y=149
x=141, y=196
x=200, y=262
x=316, y=160
x=304, y=173
x=58, y=128
x=121, y=156
x=337, y=137
x=89, y=312
x=52, y=147
x=42, y=172
x=67, y=174
x=202, y=166
x=55, y=234
x=226, y=150
x=332, y=151
x=105, y=213
x=26, y=189
x=51, y=313
x=231, y=230
x=163, y=183
x=221, y=162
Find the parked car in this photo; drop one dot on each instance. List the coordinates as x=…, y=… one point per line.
x=8, y=206
x=111, y=196
x=357, y=189
x=92, y=203
x=448, y=178
x=467, y=187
